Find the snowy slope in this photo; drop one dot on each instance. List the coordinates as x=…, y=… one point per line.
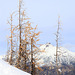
x=6, y=69
x=47, y=57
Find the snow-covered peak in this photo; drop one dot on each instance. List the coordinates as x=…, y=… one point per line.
x=49, y=49
x=48, y=56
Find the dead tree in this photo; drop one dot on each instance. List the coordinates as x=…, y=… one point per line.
x=20, y=32
x=11, y=42
x=57, y=47
x=11, y=39
x=8, y=48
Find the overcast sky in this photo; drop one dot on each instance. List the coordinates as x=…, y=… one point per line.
x=45, y=14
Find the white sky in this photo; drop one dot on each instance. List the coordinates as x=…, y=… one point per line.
x=45, y=14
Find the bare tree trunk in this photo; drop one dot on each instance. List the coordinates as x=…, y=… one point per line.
x=20, y=49
x=11, y=43
x=32, y=56
x=7, y=50
x=57, y=45
x=32, y=60
x=25, y=56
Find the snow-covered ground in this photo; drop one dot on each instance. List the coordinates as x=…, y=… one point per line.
x=6, y=69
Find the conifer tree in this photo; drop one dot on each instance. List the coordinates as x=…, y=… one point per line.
x=34, y=51
x=22, y=34
x=11, y=39
x=26, y=41
x=32, y=59
x=19, y=56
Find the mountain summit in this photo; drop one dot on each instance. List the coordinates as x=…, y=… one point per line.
x=47, y=57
